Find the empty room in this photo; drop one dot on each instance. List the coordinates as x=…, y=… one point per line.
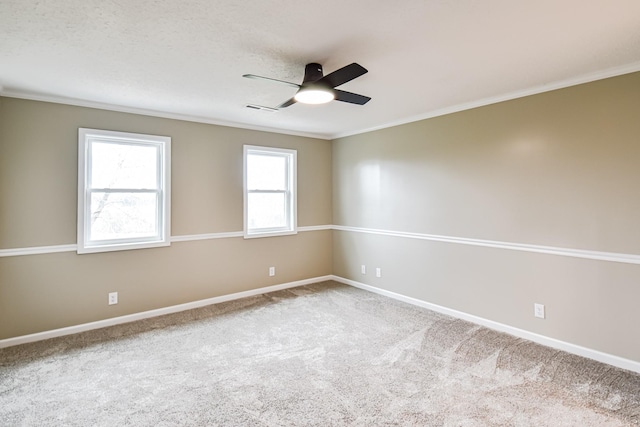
x=292, y=213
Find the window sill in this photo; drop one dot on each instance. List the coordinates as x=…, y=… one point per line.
x=256, y=235
x=121, y=247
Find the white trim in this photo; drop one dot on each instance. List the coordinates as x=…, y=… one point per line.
x=263, y=234
x=552, y=250
x=40, y=250
x=87, y=139
x=154, y=113
x=599, y=356
x=316, y=228
x=209, y=236
x=290, y=191
x=586, y=78
x=154, y=313
x=574, y=81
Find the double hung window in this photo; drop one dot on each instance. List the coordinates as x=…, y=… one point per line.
x=123, y=190
x=269, y=191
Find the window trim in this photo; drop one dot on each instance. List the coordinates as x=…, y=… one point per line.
x=163, y=144
x=291, y=193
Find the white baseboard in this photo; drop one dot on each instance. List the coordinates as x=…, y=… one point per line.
x=153, y=313
x=599, y=356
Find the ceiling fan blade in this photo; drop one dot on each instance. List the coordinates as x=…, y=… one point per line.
x=253, y=76
x=343, y=75
x=287, y=103
x=352, y=98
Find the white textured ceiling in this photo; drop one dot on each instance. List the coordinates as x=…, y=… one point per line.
x=186, y=58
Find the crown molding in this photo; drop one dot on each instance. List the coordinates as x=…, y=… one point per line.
x=574, y=81
x=153, y=113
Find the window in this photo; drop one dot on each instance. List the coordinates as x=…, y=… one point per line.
x=123, y=190
x=269, y=191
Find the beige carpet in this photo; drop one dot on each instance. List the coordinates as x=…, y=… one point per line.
x=319, y=355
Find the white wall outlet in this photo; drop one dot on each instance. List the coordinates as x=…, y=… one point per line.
x=378, y=272
x=272, y=271
x=363, y=269
x=113, y=298
x=538, y=310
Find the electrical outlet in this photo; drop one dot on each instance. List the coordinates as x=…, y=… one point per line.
x=378, y=272
x=363, y=269
x=538, y=310
x=272, y=271
x=113, y=298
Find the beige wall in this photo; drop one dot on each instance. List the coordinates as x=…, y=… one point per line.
x=38, y=190
x=558, y=169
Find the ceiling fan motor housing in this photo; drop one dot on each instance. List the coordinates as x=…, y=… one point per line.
x=312, y=73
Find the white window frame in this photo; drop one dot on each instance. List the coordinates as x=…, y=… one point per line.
x=290, y=192
x=163, y=191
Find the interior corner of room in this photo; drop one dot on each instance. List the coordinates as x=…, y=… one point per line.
x=481, y=214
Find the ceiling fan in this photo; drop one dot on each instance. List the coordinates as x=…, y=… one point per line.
x=319, y=89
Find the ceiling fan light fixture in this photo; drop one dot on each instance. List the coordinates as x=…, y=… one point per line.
x=314, y=96
x=317, y=88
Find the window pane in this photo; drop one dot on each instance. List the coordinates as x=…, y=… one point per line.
x=267, y=210
x=266, y=172
x=123, y=166
x=123, y=215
